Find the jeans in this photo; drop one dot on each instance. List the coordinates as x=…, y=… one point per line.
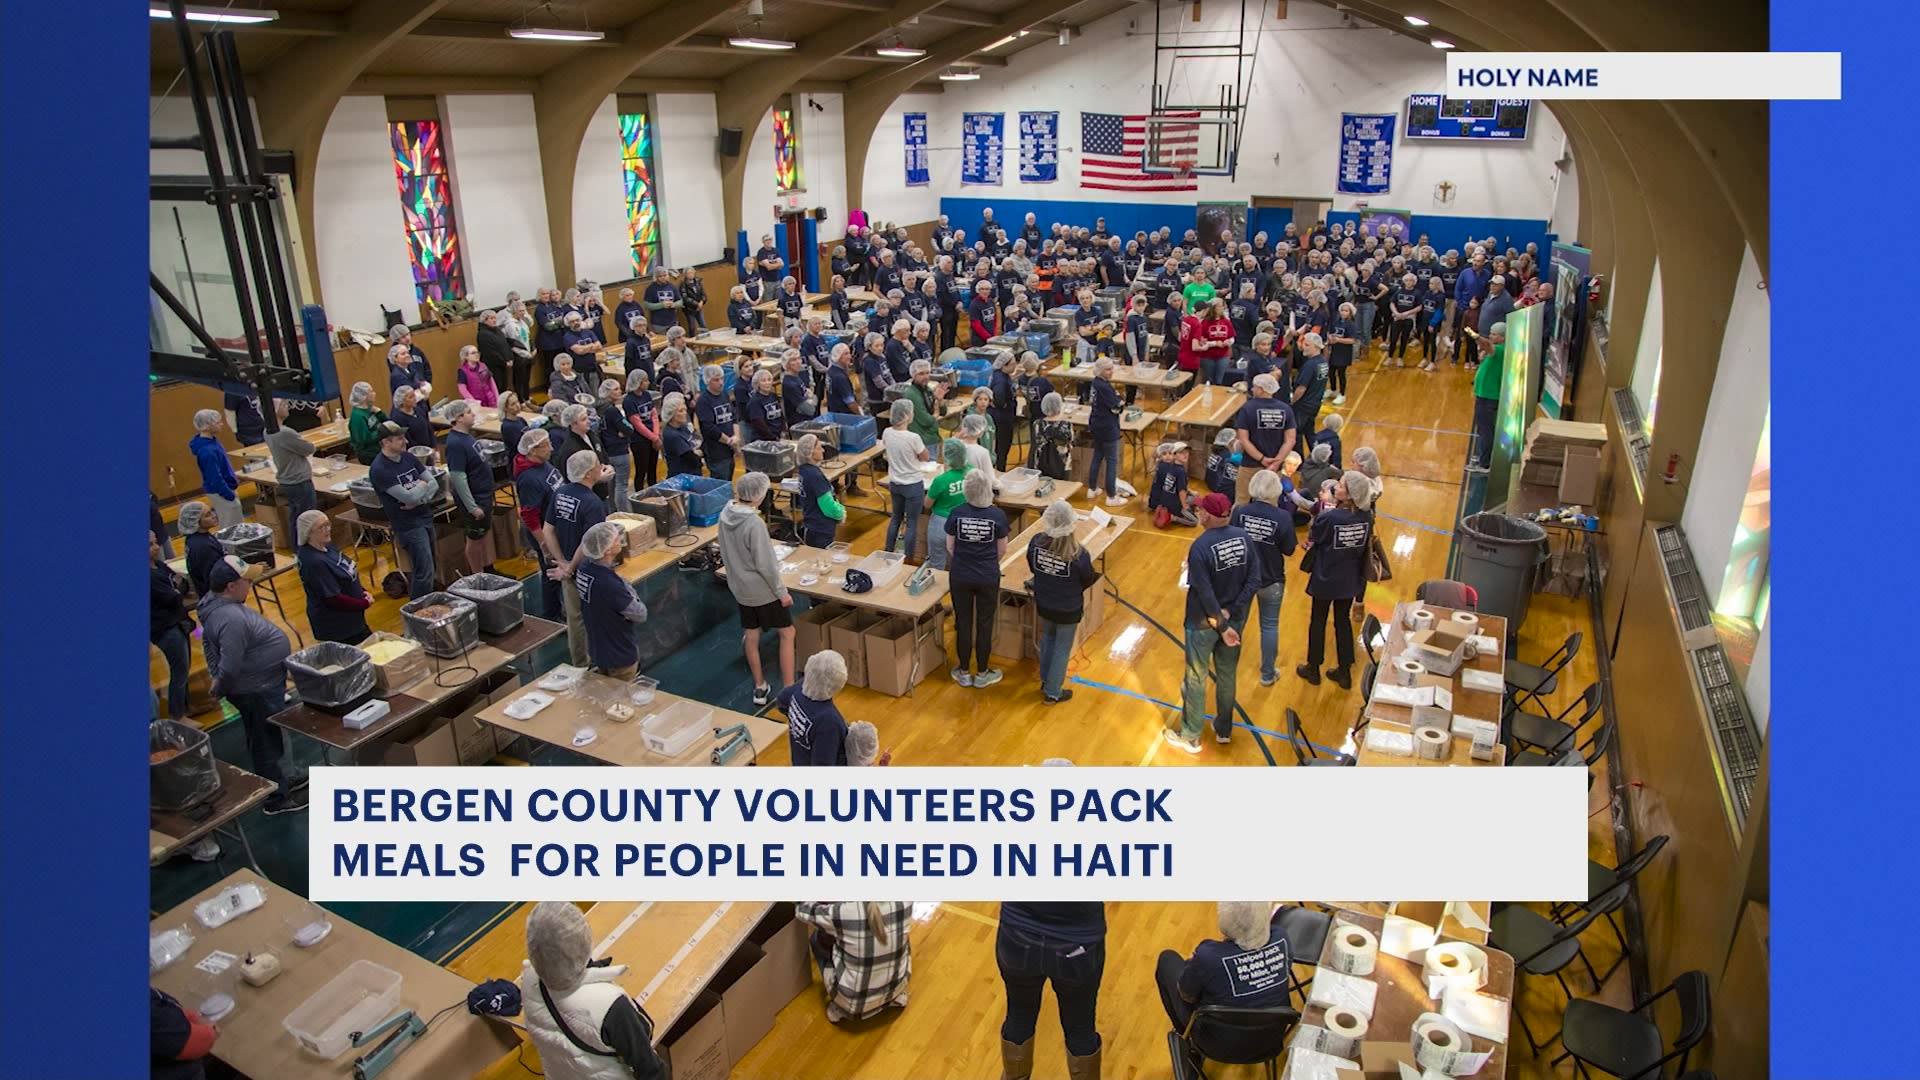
x=818, y=537
x=417, y=542
x=1056, y=648
x=973, y=612
x=576, y=624
x=550, y=608
x=1268, y=597
x=906, y=510
x=1105, y=451
x=299, y=498
x=177, y=647
x=265, y=743
x=937, y=541
x=720, y=466
x=1166, y=976
x=1365, y=312
x=1206, y=648
x=1213, y=370
x=1027, y=962
x=226, y=511
x=1342, y=631
x=1480, y=450
x=622, y=470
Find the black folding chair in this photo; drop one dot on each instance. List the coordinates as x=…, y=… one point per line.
x=1303, y=752
x=1539, y=946
x=1366, y=693
x=1239, y=1036
x=1556, y=733
x=1369, y=630
x=1607, y=888
x=1629, y=1045
x=1537, y=680
x=1589, y=752
x=1306, y=932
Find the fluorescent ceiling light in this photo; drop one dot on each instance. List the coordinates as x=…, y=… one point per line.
x=959, y=76
x=1415, y=20
x=1004, y=40
x=238, y=16
x=542, y=33
x=771, y=44
x=1439, y=44
x=900, y=52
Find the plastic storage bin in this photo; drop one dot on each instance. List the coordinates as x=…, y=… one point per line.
x=366, y=501
x=973, y=370
x=249, y=540
x=444, y=624
x=1038, y=342
x=706, y=496
x=1055, y=329
x=1110, y=300
x=1069, y=312
x=357, y=999
x=776, y=459
x=181, y=771
x=674, y=728
x=332, y=677
x=882, y=567
x=666, y=506
x=857, y=432
x=1499, y=556
x=497, y=598
x=1019, y=481
x=826, y=431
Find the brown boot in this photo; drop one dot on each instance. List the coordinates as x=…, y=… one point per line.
x=1084, y=1068
x=1016, y=1060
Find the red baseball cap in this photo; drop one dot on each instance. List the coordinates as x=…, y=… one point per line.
x=1214, y=504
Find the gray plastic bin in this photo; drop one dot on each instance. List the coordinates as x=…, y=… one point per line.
x=1499, y=556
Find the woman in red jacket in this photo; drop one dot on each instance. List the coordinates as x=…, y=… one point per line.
x=983, y=315
x=1214, y=342
x=1188, y=329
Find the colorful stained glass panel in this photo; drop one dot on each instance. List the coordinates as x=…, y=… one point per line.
x=786, y=151
x=426, y=202
x=426, y=208
x=416, y=149
x=643, y=212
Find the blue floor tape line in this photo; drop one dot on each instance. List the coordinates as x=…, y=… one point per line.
x=1151, y=621
x=1418, y=525
x=1169, y=705
x=1410, y=427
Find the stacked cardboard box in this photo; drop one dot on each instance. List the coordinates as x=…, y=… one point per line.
x=736, y=1009
x=1562, y=450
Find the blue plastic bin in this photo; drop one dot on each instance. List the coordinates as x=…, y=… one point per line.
x=971, y=372
x=706, y=496
x=1041, y=345
x=857, y=432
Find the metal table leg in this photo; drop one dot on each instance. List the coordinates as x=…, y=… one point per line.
x=261, y=592
x=239, y=833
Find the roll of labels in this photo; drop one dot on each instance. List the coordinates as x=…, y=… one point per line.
x=1420, y=619
x=1438, y=1043
x=1432, y=744
x=1454, y=965
x=1407, y=672
x=1465, y=621
x=1354, y=950
x=1342, y=1031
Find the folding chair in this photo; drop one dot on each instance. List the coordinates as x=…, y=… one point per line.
x=1589, y=752
x=1529, y=680
x=1306, y=930
x=1553, y=734
x=1628, y=1045
x=1366, y=693
x=1369, y=631
x=1539, y=946
x=1239, y=1036
x=1607, y=892
x=1446, y=593
x=1303, y=751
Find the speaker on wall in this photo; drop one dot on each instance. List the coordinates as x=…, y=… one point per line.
x=819, y=213
x=730, y=142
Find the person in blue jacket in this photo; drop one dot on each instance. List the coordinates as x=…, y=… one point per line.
x=1222, y=575
x=1337, y=542
x=816, y=732
x=1329, y=434
x=203, y=549
x=841, y=396
x=1271, y=527
x=1169, y=499
x=217, y=478
x=1103, y=427
x=740, y=313
x=608, y=607
x=719, y=420
x=336, y=601
x=1062, y=574
x=820, y=513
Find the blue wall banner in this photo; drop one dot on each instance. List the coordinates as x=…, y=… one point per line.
x=916, y=143
x=1366, y=153
x=980, y=147
x=1039, y=147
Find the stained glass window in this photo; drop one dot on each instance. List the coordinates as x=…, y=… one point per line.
x=426, y=204
x=786, y=150
x=643, y=208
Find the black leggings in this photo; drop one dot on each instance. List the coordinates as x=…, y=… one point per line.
x=973, y=611
x=1337, y=379
x=1342, y=610
x=1429, y=334
x=1397, y=337
x=646, y=464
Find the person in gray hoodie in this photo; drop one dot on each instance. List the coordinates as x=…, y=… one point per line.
x=292, y=465
x=753, y=573
x=245, y=665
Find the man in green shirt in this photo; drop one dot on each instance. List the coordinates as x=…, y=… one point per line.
x=1486, y=394
x=1198, y=291
x=926, y=395
x=942, y=496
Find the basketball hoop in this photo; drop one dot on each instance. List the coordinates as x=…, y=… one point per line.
x=1183, y=167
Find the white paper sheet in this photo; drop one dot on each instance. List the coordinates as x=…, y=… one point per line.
x=1306, y=1064
x=1477, y=1013
x=1402, y=695
x=1466, y=915
x=1491, y=682
x=1397, y=743
x=1336, y=989
x=1404, y=938
x=1487, y=644
x=1443, y=697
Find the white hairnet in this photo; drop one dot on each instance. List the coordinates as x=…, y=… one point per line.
x=1052, y=404
x=826, y=675
x=559, y=945
x=1058, y=519
x=637, y=379
x=580, y=464
x=1264, y=486
x=978, y=488
x=1266, y=381
x=601, y=539
x=751, y=488
x=1359, y=488
x=973, y=424
x=901, y=414
x=1321, y=452
x=305, y=523
x=458, y=408
x=862, y=738
x=806, y=445
x=205, y=419
x=192, y=516
x=531, y=441
x=361, y=396
x=572, y=415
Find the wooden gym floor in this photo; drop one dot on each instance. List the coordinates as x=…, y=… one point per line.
x=1417, y=422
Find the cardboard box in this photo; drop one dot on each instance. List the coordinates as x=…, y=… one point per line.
x=506, y=532
x=747, y=999
x=1380, y=1060
x=642, y=532
x=1013, y=627
x=846, y=635
x=462, y=740
x=891, y=653
x=783, y=939
x=1093, y=612
x=1580, y=476
x=931, y=635
x=696, y=1047
x=810, y=629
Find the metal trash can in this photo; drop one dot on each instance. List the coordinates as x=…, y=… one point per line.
x=1499, y=556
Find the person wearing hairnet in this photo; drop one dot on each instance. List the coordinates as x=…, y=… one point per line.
x=976, y=540
x=573, y=509
x=944, y=494
x=410, y=412
x=1337, y=543
x=863, y=746
x=1270, y=526
x=408, y=492
x=534, y=482
x=719, y=421
x=820, y=513
x=753, y=575
x=203, y=549
x=472, y=478
x=363, y=423
x=336, y=602
x=816, y=732
x=1222, y=574
x=245, y=664
x=1062, y=573
x=217, y=480
x=292, y=464
x=169, y=627
x=608, y=607
x=906, y=485
x=583, y=1024
x=616, y=442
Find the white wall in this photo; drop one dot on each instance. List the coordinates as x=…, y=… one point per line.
x=499, y=202
x=687, y=177
x=823, y=168
x=885, y=194
x=1646, y=361
x=1309, y=69
x=1736, y=413
x=1760, y=678
x=600, y=248
x=1565, y=222
x=361, y=245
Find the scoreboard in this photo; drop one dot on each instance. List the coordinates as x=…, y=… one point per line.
x=1433, y=116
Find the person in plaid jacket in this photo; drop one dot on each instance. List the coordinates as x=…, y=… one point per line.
x=864, y=954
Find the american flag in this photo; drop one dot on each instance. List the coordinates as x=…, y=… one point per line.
x=1110, y=147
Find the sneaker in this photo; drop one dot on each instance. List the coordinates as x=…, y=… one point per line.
x=762, y=694
x=1339, y=399
x=1268, y=678
x=1179, y=741
x=1064, y=696
x=986, y=678
x=963, y=676
x=294, y=803
x=1309, y=673
x=206, y=850
x=1116, y=500
x=1222, y=739
x=1340, y=677
x=297, y=781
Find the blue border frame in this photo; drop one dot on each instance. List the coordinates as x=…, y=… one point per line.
x=73, y=653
